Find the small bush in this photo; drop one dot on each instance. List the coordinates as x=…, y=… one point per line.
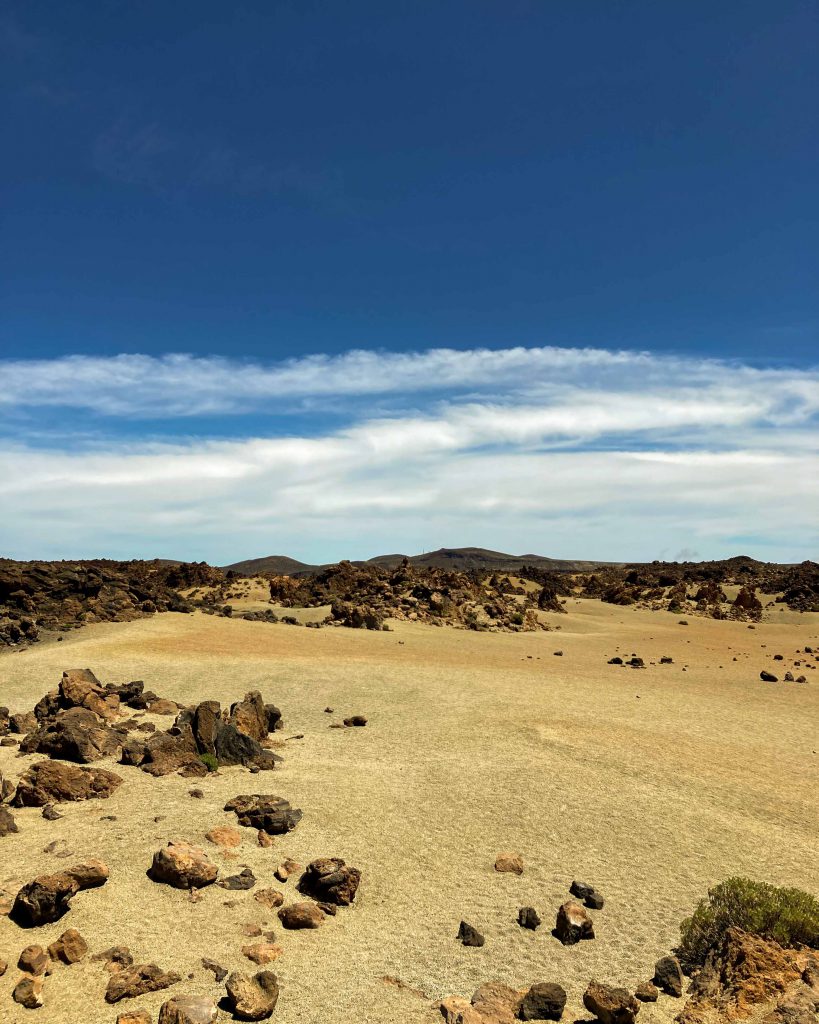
x=788, y=916
x=209, y=761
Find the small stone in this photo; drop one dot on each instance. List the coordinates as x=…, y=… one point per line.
x=70, y=947
x=301, y=915
x=219, y=972
x=137, y=981
x=768, y=677
x=509, y=862
x=270, y=898
x=224, y=835
x=469, y=936
x=28, y=992
x=528, y=917
x=543, y=1001
x=286, y=869
x=33, y=960
x=646, y=992
x=182, y=866
x=262, y=953
x=264, y=839
x=134, y=1017
x=50, y=813
x=355, y=720
x=244, y=880
x=188, y=1010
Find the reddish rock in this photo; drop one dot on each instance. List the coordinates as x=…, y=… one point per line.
x=183, y=866
x=70, y=947
x=301, y=915
x=28, y=992
x=46, y=898
x=611, y=1005
x=56, y=782
x=33, y=960
x=138, y=980
x=509, y=863
x=252, y=997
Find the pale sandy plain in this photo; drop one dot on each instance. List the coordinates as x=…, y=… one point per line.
x=652, y=785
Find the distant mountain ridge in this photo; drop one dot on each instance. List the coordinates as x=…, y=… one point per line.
x=459, y=559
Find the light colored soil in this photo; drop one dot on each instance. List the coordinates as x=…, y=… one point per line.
x=651, y=785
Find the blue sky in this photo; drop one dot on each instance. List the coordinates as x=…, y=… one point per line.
x=246, y=244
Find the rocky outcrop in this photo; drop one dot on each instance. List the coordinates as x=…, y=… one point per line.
x=56, y=782
x=745, y=975
x=75, y=734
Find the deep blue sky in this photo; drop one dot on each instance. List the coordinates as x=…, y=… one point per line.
x=284, y=178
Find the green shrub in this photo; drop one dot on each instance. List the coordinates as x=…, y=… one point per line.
x=788, y=916
x=209, y=761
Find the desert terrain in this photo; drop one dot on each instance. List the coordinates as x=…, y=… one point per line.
x=651, y=784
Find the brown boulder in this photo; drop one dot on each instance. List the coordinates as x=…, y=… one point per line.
x=46, y=898
x=56, y=782
x=647, y=992
x=330, y=880
x=33, y=960
x=301, y=915
x=28, y=992
x=573, y=924
x=250, y=716
x=70, y=947
x=138, y=980
x=8, y=826
x=668, y=976
x=611, y=1005
x=270, y=898
x=182, y=866
x=80, y=688
x=510, y=863
x=188, y=1010
x=252, y=997
x=262, y=952
x=76, y=734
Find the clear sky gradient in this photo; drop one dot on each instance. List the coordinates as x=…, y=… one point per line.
x=512, y=183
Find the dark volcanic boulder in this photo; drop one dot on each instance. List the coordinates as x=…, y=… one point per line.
x=573, y=924
x=267, y=813
x=329, y=880
x=55, y=782
x=8, y=825
x=668, y=976
x=76, y=734
x=46, y=899
x=234, y=747
x=543, y=1001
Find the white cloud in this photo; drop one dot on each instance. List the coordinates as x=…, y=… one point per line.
x=579, y=453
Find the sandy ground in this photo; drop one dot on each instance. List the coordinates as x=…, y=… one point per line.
x=651, y=785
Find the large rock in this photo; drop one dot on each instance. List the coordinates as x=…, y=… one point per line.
x=55, y=782
x=330, y=880
x=70, y=947
x=252, y=997
x=611, y=1005
x=8, y=825
x=28, y=992
x=46, y=898
x=509, y=863
x=573, y=924
x=250, y=716
x=668, y=976
x=76, y=734
x=188, y=1010
x=543, y=1001
x=80, y=688
x=268, y=813
x=235, y=747
x=206, y=722
x=183, y=866
x=138, y=980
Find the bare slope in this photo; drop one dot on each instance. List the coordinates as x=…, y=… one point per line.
x=650, y=784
